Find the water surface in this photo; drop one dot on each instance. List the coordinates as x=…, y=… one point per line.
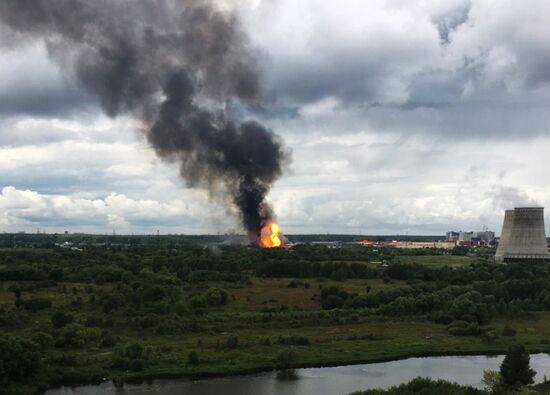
x=322, y=381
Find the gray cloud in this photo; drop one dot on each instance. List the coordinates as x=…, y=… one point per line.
x=450, y=19
x=415, y=117
x=32, y=85
x=508, y=197
x=445, y=68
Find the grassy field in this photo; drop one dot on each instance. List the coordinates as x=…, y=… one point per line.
x=372, y=339
x=438, y=260
x=368, y=339
x=264, y=292
x=256, y=294
x=264, y=318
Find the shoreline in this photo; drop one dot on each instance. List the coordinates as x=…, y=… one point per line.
x=140, y=378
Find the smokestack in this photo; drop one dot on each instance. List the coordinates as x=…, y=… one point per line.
x=523, y=235
x=176, y=65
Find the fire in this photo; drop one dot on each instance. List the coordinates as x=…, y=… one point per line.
x=270, y=236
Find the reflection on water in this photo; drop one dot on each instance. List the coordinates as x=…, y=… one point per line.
x=322, y=381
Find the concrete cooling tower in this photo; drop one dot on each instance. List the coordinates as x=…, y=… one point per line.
x=523, y=236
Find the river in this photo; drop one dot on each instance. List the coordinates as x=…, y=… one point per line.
x=322, y=381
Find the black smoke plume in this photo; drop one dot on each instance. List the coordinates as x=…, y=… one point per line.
x=175, y=65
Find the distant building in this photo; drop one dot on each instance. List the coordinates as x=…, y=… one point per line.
x=329, y=244
x=409, y=244
x=487, y=236
x=452, y=236
x=465, y=236
x=470, y=239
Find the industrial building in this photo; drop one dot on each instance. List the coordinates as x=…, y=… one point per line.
x=523, y=236
x=409, y=244
x=471, y=239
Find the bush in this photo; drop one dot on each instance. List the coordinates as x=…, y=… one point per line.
x=424, y=386
x=11, y=318
x=359, y=302
x=197, y=302
x=107, y=340
x=129, y=357
x=20, y=360
x=60, y=319
x=491, y=336
x=37, y=304
x=232, y=342
x=193, y=358
x=333, y=302
x=216, y=297
x=508, y=331
x=71, y=337
x=292, y=284
x=463, y=328
x=293, y=340
x=285, y=358
x=94, y=321
x=180, y=308
x=42, y=339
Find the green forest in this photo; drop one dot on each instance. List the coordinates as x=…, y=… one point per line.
x=137, y=312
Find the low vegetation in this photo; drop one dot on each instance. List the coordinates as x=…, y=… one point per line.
x=135, y=312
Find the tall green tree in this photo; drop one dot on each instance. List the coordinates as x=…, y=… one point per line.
x=515, y=369
x=20, y=360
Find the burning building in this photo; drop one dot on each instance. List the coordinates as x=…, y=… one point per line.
x=523, y=235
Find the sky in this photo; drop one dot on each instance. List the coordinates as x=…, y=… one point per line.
x=403, y=117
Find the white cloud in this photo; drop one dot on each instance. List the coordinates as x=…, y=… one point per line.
x=25, y=209
x=410, y=185
x=405, y=116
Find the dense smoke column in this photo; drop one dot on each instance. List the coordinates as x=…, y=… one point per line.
x=175, y=65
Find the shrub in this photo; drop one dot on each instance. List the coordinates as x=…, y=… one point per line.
x=94, y=321
x=90, y=335
x=424, y=386
x=11, y=318
x=20, y=360
x=193, y=358
x=359, y=302
x=232, y=342
x=60, y=319
x=180, y=308
x=216, y=297
x=71, y=336
x=508, y=331
x=170, y=326
x=333, y=302
x=42, y=339
x=36, y=304
x=197, y=302
x=293, y=340
x=145, y=322
x=292, y=284
x=491, y=336
x=107, y=340
x=285, y=358
x=129, y=357
x=463, y=328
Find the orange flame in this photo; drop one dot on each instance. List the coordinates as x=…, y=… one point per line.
x=270, y=236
